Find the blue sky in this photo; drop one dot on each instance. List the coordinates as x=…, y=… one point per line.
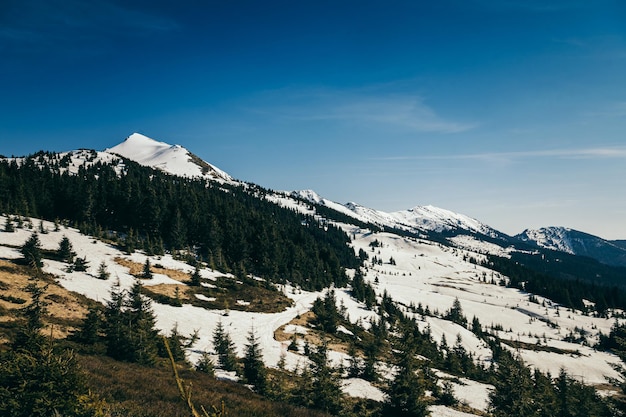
x=510, y=111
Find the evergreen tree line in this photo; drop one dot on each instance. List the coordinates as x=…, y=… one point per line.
x=231, y=227
x=525, y=393
x=567, y=292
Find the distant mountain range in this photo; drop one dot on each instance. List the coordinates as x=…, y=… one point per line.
x=268, y=259
x=577, y=243
x=176, y=160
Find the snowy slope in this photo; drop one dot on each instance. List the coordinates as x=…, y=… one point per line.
x=173, y=159
x=576, y=243
x=434, y=276
x=417, y=219
x=424, y=273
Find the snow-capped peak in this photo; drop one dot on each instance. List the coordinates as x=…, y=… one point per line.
x=308, y=195
x=416, y=219
x=438, y=219
x=555, y=238
x=173, y=159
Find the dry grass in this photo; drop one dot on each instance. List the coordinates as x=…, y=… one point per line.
x=136, y=269
x=313, y=337
x=137, y=391
x=65, y=309
x=169, y=290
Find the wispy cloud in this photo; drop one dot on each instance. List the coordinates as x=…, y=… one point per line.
x=585, y=153
x=408, y=112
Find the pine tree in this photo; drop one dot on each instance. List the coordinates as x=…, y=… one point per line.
x=41, y=383
x=371, y=351
x=354, y=364
x=253, y=368
x=225, y=348
x=36, y=379
x=146, y=273
x=205, y=364
x=80, y=264
x=8, y=225
x=103, y=272
x=89, y=331
x=405, y=393
x=115, y=330
x=326, y=314
x=196, y=278
x=29, y=335
x=65, y=251
x=456, y=314
x=512, y=395
x=175, y=341
x=31, y=251
x=326, y=392
x=143, y=336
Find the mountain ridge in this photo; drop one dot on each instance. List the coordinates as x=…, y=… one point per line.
x=409, y=271
x=576, y=242
x=173, y=159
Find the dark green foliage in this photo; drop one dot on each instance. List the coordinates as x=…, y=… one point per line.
x=565, y=279
x=254, y=370
x=455, y=314
x=362, y=290
x=8, y=225
x=175, y=342
x=89, y=331
x=103, y=272
x=574, y=399
x=29, y=335
x=326, y=314
x=147, y=272
x=80, y=264
x=405, y=394
x=31, y=251
x=447, y=397
x=196, y=279
x=115, y=325
x=519, y=393
x=140, y=328
x=615, y=341
x=205, y=364
x=513, y=393
x=354, y=364
x=225, y=348
x=66, y=251
x=320, y=387
x=43, y=383
x=36, y=378
x=129, y=327
x=226, y=229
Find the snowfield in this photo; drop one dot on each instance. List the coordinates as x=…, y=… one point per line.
x=422, y=273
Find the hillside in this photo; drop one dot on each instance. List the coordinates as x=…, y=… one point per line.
x=347, y=306
x=577, y=243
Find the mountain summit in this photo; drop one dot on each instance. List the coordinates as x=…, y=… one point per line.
x=173, y=159
x=417, y=219
x=576, y=243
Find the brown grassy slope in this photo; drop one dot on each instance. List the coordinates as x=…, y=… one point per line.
x=128, y=389
x=137, y=391
x=66, y=310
